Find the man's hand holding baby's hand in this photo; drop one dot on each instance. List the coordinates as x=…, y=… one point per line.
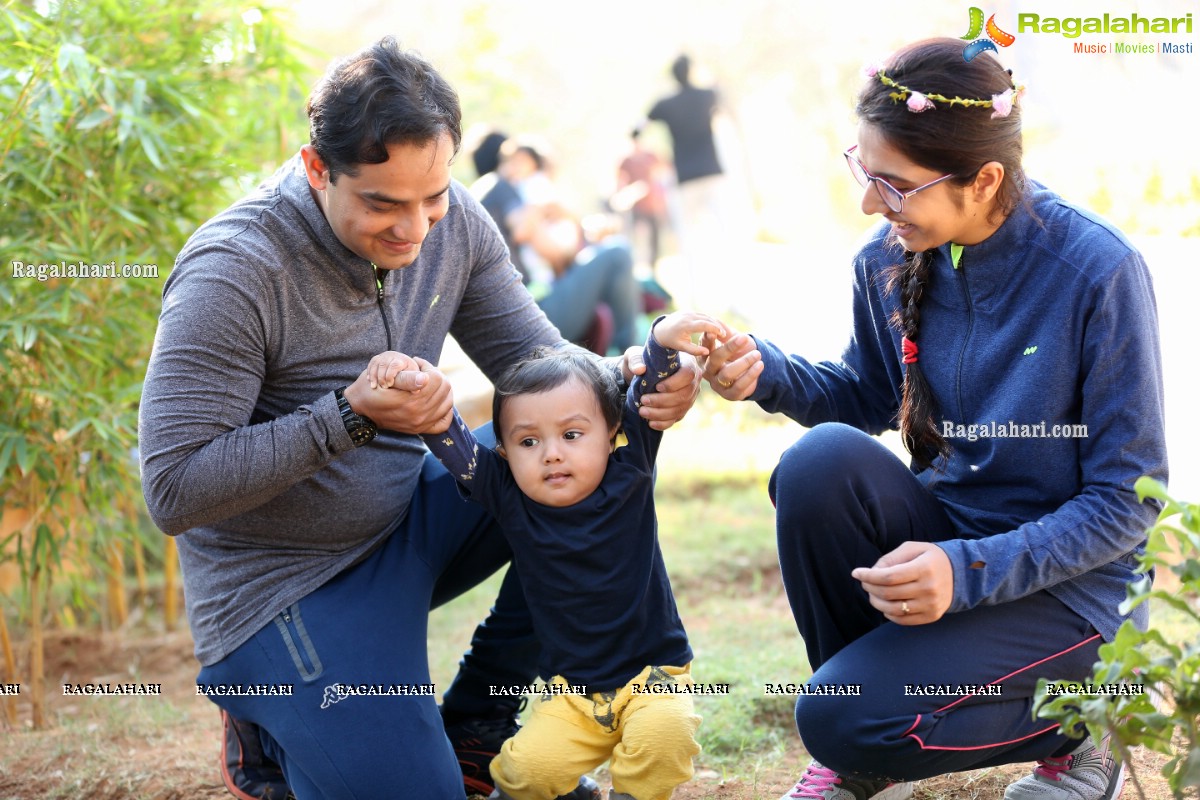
x=387, y=367
x=403, y=394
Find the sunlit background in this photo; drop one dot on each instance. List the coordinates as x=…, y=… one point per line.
x=1112, y=132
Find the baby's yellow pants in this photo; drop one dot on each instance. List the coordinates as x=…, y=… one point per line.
x=649, y=735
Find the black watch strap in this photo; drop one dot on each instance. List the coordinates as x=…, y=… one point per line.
x=360, y=428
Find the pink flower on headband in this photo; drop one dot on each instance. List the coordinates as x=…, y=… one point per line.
x=872, y=69
x=1002, y=104
x=918, y=102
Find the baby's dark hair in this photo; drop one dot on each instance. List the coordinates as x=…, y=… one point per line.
x=550, y=367
x=954, y=140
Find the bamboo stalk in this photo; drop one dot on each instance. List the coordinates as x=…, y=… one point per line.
x=37, y=649
x=139, y=569
x=10, y=671
x=170, y=592
x=118, y=609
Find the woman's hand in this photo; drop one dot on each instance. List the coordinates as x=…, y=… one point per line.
x=732, y=367
x=912, y=585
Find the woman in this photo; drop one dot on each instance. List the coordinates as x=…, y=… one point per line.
x=1013, y=340
x=585, y=276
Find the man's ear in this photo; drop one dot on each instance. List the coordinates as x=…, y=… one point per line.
x=315, y=168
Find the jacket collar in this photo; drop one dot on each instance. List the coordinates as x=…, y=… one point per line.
x=294, y=188
x=991, y=266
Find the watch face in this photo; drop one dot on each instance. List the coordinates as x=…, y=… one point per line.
x=360, y=428
x=362, y=432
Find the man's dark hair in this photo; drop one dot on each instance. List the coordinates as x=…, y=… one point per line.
x=380, y=96
x=486, y=155
x=681, y=67
x=527, y=145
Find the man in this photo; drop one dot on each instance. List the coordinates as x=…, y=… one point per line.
x=703, y=218
x=688, y=114
x=506, y=194
x=641, y=194
x=314, y=532
x=499, y=196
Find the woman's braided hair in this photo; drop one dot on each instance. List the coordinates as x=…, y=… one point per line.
x=917, y=404
x=948, y=139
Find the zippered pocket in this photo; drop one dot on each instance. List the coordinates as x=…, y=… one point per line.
x=299, y=645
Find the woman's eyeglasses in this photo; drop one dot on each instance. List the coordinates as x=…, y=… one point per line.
x=892, y=197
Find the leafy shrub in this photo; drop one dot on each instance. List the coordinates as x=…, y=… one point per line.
x=125, y=125
x=1165, y=716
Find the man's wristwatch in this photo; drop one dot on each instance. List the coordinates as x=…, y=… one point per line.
x=360, y=428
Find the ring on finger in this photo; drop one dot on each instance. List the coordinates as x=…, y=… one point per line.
x=724, y=383
x=904, y=608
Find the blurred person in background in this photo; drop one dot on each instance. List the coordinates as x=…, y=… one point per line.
x=517, y=193
x=485, y=153
x=592, y=298
x=705, y=226
x=641, y=194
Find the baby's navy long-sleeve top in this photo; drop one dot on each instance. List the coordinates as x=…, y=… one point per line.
x=593, y=572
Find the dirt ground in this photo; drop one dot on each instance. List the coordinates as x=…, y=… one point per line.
x=165, y=748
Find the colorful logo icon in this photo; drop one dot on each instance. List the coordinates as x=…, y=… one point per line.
x=995, y=36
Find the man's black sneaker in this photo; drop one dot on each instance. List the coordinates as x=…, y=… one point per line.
x=476, y=741
x=245, y=769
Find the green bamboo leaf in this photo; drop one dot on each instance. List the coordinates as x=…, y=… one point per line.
x=96, y=117
x=108, y=91
x=151, y=150
x=72, y=56
x=6, y=454
x=124, y=123
x=129, y=215
x=51, y=545
x=40, y=185
x=1175, y=601
x=41, y=542
x=25, y=455
x=139, y=96
x=183, y=103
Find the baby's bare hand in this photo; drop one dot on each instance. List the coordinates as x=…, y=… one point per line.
x=384, y=368
x=676, y=330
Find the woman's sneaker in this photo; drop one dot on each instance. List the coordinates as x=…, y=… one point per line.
x=821, y=783
x=1086, y=773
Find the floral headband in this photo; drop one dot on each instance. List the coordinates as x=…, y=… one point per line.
x=917, y=102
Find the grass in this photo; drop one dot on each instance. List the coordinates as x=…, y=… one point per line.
x=716, y=526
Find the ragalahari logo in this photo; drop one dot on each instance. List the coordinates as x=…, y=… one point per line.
x=995, y=36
